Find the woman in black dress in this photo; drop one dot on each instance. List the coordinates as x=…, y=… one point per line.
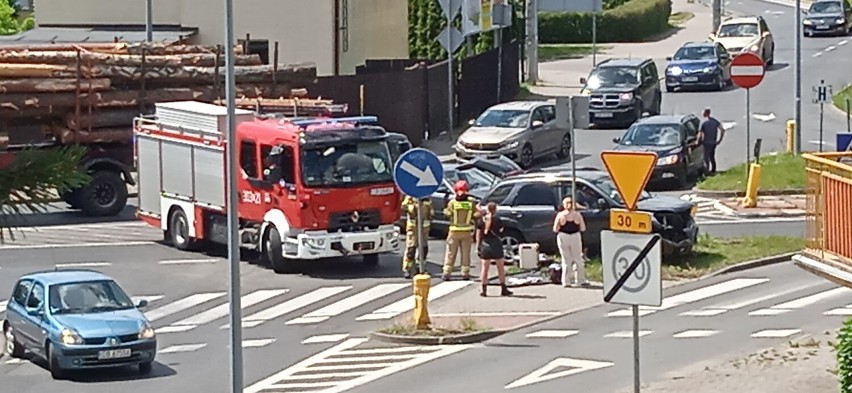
x=490, y=248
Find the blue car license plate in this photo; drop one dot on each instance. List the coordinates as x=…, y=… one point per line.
x=690, y=79
x=114, y=354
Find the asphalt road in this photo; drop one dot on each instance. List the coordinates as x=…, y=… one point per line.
x=698, y=325
x=824, y=58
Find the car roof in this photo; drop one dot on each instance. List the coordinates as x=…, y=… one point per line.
x=663, y=119
x=589, y=174
x=698, y=44
x=742, y=19
x=59, y=277
x=828, y=1
x=519, y=105
x=622, y=62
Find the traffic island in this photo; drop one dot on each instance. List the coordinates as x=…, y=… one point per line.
x=781, y=174
x=443, y=331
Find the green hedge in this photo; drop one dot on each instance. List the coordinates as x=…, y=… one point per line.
x=633, y=21
x=844, y=357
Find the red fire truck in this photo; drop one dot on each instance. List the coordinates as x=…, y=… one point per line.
x=309, y=188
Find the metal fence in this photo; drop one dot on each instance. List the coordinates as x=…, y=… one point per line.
x=828, y=223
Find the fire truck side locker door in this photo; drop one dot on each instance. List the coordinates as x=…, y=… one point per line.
x=148, y=168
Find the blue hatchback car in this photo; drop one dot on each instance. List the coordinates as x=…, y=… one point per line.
x=77, y=320
x=699, y=65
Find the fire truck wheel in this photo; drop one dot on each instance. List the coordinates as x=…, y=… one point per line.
x=273, y=252
x=105, y=195
x=179, y=231
x=371, y=260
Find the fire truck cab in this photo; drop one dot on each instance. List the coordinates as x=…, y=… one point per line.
x=308, y=189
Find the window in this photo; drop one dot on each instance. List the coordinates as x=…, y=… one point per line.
x=346, y=164
x=536, y=194
x=764, y=28
x=691, y=127
x=538, y=115
x=248, y=159
x=549, y=113
x=652, y=68
x=285, y=162
x=586, y=196
x=503, y=118
x=21, y=291
x=88, y=297
x=499, y=194
x=720, y=50
x=36, y=296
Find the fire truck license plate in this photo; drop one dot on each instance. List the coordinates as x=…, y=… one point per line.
x=363, y=246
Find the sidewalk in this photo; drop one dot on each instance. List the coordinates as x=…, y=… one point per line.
x=562, y=77
x=767, y=206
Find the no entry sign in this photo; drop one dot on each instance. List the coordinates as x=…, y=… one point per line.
x=747, y=70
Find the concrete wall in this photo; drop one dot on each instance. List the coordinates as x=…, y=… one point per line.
x=378, y=29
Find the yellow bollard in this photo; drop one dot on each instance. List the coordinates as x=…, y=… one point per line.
x=750, y=199
x=421, y=300
x=791, y=131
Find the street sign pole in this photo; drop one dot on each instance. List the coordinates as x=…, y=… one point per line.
x=236, y=325
x=149, y=20
x=594, y=38
x=450, y=74
x=573, y=149
x=797, y=89
x=747, y=71
x=637, y=363
x=748, y=125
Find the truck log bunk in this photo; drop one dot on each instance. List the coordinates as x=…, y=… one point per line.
x=90, y=93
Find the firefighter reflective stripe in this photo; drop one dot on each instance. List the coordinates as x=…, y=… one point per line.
x=411, y=208
x=411, y=224
x=461, y=218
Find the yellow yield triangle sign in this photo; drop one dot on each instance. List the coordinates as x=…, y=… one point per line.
x=630, y=172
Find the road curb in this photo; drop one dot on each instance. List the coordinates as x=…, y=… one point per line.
x=456, y=339
x=732, y=194
x=771, y=260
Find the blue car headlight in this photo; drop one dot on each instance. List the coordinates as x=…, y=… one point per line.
x=147, y=332
x=709, y=69
x=675, y=71
x=70, y=337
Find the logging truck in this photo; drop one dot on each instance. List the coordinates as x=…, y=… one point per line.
x=308, y=189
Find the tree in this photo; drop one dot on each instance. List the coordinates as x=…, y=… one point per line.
x=28, y=184
x=9, y=23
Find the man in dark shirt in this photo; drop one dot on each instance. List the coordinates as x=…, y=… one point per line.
x=710, y=135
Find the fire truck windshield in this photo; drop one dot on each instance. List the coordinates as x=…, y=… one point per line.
x=346, y=164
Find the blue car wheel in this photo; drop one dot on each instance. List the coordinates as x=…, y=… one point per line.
x=56, y=370
x=13, y=347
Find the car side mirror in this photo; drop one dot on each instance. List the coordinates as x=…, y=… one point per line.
x=537, y=123
x=142, y=304
x=616, y=140
x=471, y=122
x=765, y=34
x=668, y=58
x=582, y=81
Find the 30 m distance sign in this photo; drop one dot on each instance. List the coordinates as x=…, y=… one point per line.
x=629, y=221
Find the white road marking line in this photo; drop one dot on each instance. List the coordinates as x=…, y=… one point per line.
x=801, y=302
x=187, y=261
x=181, y=348
x=747, y=70
x=498, y=314
x=407, y=304
x=843, y=311
x=818, y=54
x=374, y=351
x=3, y=305
x=553, y=334
x=824, y=143
x=150, y=299
x=627, y=334
x=181, y=305
x=174, y=329
x=565, y=367
x=328, y=338
x=222, y=310
x=725, y=307
x=15, y=361
x=296, y=386
x=291, y=305
x=75, y=245
x=843, y=42
x=698, y=333
x=82, y=264
x=347, y=304
x=775, y=333
x=830, y=48
x=381, y=370
x=258, y=343
x=694, y=296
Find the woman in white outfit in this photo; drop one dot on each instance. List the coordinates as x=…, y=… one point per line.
x=569, y=226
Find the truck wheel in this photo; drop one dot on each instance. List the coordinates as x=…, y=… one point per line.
x=179, y=231
x=273, y=252
x=371, y=260
x=105, y=195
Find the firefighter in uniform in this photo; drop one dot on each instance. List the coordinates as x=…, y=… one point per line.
x=409, y=206
x=461, y=212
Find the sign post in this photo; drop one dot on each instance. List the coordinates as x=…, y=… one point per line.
x=631, y=256
x=451, y=39
x=822, y=94
x=747, y=71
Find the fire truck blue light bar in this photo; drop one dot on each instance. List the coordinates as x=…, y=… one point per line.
x=354, y=119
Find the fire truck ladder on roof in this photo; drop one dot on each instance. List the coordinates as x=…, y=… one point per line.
x=355, y=119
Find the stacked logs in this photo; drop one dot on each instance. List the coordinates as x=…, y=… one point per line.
x=90, y=93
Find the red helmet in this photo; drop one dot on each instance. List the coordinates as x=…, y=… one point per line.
x=461, y=186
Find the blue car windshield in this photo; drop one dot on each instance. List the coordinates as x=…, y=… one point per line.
x=88, y=297
x=652, y=135
x=695, y=53
x=826, y=7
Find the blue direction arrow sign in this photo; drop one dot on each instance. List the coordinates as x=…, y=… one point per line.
x=418, y=173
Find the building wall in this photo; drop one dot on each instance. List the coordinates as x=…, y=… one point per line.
x=378, y=29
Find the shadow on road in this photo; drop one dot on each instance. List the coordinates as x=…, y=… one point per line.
x=59, y=215
x=777, y=67
x=125, y=373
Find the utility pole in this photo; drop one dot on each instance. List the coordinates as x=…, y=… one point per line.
x=149, y=20
x=797, y=145
x=717, y=14
x=532, y=42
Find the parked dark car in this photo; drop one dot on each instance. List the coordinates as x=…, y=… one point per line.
x=528, y=204
x=621, y=90
x=699, y=65
x=673, y=138
x=828, y=17
x=498, y=165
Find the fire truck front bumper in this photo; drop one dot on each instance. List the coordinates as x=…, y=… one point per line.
x=322, y=244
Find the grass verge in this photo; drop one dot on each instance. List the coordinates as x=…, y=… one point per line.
x=712, y=254
x=778, y=172
x=840, y=98
x=550, y=52
x=679, y=18
x=464, y=326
